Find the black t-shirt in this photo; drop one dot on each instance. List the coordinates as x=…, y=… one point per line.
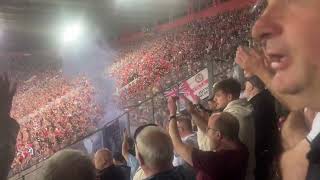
x=314, y=160
x=266, y=132
x=112, y=172
x=126, y=170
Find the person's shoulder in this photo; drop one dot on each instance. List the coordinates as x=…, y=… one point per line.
x=239, y=103
x=120, y=172
x=239, y=108
x=264, y=97
x=242, y=151
x=173, y=174
x=204, y=155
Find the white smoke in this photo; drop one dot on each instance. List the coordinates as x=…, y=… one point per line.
x=90, y=58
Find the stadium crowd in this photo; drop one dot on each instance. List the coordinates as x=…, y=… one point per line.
x=235, y=138
x=162, y=59
x=53, y=111
x=156, y=59
x=56, y=124
x=150, y=66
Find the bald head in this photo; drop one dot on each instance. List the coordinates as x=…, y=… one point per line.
x=69, y=164
x=226, y=123
x=103, y=159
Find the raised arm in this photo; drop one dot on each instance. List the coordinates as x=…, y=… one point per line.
x=125, y=146
x=185, y=151
x=199, y=119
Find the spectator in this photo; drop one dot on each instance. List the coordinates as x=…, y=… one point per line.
x=291, y=68
x=68, y=164
x=120, y=162
x=155, y=154
x=118, y=159
x=105, y=167
x=187, y=137
x=139, y=175
x=227, y=158
x=9, y=128
x=131, y=160
x=226, y=95
x=200, y=118
x=266, y=133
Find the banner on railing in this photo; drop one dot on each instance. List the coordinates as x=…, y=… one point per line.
x=198, y=85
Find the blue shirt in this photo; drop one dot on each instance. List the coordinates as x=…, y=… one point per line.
x=133, y=163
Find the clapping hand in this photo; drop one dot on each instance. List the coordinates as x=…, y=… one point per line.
x=252, y=61
x=189, y=105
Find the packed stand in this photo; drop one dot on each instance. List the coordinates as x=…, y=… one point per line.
x=159, y=60
x=234, y=131
x=53, y=111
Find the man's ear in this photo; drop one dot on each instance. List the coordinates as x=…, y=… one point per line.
x=229, y=97
x=219, y=135
x=251, y=87
x=140, y=159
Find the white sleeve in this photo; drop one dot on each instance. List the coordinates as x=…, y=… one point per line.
x=315, y=130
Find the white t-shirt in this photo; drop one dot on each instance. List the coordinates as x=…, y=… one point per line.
x=190, y=140
x=315, y=130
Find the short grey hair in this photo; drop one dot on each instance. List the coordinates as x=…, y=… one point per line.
x=69, y=164
x=155, y=147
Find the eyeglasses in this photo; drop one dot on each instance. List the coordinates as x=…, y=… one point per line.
x=213, y=129
x=260, y=4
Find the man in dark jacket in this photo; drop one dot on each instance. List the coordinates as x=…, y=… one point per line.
x=267, y=135
x=106, y=169
x=120, y=162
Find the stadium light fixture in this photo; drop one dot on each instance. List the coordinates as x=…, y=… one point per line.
x=72, y=32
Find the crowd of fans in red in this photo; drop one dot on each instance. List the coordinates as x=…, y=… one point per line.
x=159, y=61
x=54, y=112
x=163, y=58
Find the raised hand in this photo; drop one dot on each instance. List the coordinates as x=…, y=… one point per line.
x=172, y=106
x=125, y=134
x=189, y=105
x=252, y=61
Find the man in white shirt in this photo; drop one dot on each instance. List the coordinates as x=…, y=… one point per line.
x=187, y=137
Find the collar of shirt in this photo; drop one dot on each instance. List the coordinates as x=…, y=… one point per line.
x=188, y=136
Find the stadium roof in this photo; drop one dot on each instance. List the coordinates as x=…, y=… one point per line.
x=32, y=24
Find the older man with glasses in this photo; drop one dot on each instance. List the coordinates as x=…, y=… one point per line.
x=227, y=158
